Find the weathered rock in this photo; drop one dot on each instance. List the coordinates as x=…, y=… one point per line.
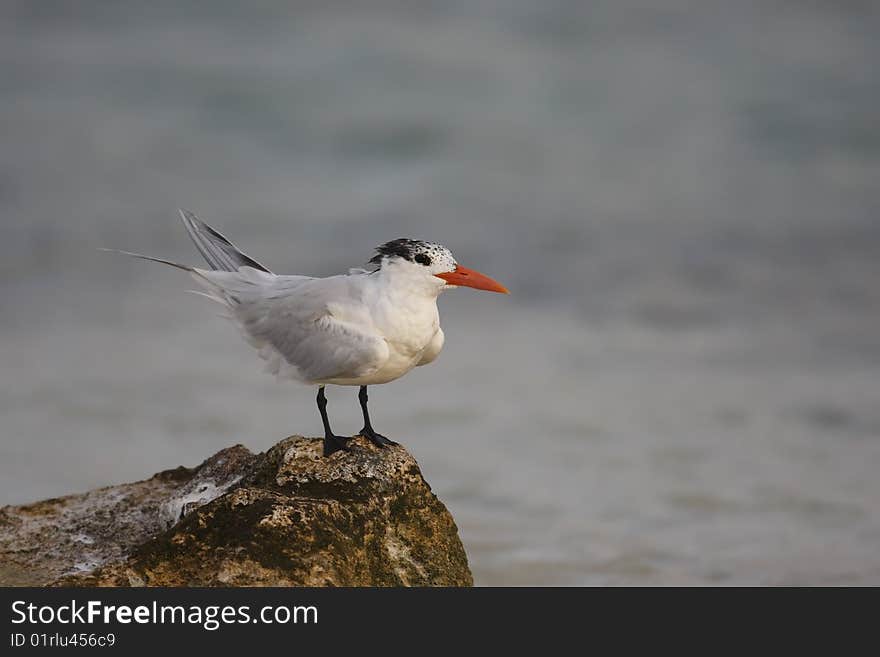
x=287, y=517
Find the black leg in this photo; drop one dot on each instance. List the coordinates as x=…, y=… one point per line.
x=368, y=432
x=332, y=442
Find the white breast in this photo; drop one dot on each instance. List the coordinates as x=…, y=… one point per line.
x=433, y=349
x=410, y=325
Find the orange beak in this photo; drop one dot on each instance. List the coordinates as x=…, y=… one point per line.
x=471, y=278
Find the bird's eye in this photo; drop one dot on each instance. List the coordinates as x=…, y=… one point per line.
x=422, y=259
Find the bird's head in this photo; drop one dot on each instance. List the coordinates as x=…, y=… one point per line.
x=429, y=259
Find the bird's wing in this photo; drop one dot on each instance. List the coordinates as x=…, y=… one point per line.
x=218, y=251
x=310, y=329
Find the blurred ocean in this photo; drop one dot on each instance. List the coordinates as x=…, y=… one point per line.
x=684, y=386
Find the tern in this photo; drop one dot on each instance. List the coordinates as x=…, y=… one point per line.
x=367, y=327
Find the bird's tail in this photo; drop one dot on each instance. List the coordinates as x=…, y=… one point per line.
x=210, y=281
x=222, y=255
x=218, y=251
x=146, y=257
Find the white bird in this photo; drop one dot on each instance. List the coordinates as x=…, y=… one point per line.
x=358, y=329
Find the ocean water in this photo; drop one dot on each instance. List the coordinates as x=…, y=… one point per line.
x=684, y=386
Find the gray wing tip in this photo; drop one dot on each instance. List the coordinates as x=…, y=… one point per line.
x=187, y=217
x=190, y=220
x=216, y=249
x=196, y=227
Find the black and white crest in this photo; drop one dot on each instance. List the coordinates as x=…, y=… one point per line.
x=402, y=248
x=430, y=254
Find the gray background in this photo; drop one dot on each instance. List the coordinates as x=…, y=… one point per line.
x=684, y=386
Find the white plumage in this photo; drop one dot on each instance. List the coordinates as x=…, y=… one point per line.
x=353, y=329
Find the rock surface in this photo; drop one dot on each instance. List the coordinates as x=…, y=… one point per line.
x=286, y=517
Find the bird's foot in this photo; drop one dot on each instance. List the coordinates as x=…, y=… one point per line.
x=376, y=438
x=333, y=443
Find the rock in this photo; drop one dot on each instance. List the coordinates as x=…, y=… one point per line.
x=287, y=517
